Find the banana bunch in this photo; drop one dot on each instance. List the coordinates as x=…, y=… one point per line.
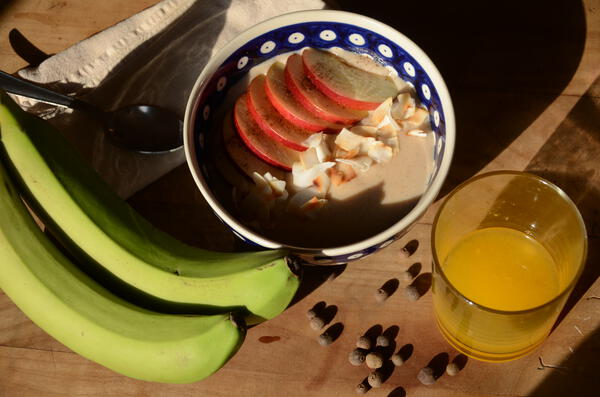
x=120, y=250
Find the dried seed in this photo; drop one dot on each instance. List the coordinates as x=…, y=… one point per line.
x=364, y=343
x=317, y=323
x=406, y=276
x=375, y=379
x=426, y=376
x=382, y=341
x=325, y=339
x=381, y=295
x=452, y=369
x=361, y=388
x=412, y=293
x=397, y=359
x=404, y=253
x=357, y=357
x=311, y=314
x=374, y=360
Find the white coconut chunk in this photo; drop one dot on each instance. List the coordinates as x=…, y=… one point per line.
x=322, y=183
x=348, y=140
x=277, y=186
x=304, y=177
x=261, y=185
x=314, y=140
x=360, y=163
x=323, y=152
x=309, y=158
x=364, y=130
x=376, y=116
x=341, y=173
x=311, y=207
x=417, y=132
x=380, y=152
x=418, y=118
x=403, y=107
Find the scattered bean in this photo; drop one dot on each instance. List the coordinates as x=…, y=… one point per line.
x=397, y=359
x=381, y=295
x=405, y=252
x=412, y=293
x=406, y=276
x=382, y=341
x=317, y=323
x=357, y=357
x=374, y=360
x=361, y=388
x=364, y=343
x=452, y=369
x=375, y=379
x=426, y=376
x=311, y=314
x=325, y=339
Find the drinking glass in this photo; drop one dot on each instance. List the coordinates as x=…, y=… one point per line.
x=522, y=203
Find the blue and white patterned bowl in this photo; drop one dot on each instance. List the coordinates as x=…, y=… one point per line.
x=319, y=29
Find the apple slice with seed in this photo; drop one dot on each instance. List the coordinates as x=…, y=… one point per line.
x=349, y=86
x=269, y=119
x=314, y=100
x=258, y=141
x=238, y=158
x=283, y=100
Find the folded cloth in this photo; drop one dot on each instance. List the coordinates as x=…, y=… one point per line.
x=153, y=58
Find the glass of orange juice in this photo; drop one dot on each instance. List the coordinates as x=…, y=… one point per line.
x=508, y=247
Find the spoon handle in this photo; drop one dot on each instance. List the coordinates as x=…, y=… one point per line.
x=21, y=87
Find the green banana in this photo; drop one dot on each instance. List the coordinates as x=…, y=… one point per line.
x=91, y=321
x=94, y=223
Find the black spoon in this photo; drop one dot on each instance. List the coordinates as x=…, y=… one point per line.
x=141, y=128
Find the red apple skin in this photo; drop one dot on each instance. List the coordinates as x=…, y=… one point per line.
x=319, y=66
x=258, y=141
x=270, y=120
x=314, y=100
x=244, y=160
x=283, y=100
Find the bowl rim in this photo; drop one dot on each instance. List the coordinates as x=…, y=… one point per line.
x=293, y=18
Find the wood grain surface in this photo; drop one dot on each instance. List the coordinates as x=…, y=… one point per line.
x=524, y=77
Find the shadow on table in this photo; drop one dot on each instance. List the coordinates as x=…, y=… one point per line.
x=574, y=149
x=503, y=62
x=577, y=375
x=570, y=160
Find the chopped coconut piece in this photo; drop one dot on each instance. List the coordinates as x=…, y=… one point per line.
x=314, y=140
x=348, y=140
x=305, y=202
x=344, y=154
x=360, y=163
x=403, y=107
x=417, y=132
x=341, y=173
x=418, y=118
x=364, y=130
x=388, y=127
x=380, y=152
x=376, y=116
x=309, y=158
x=277, y=186
x=322, y=184
x=303, y=177
x=312, y=205
x=394, y=143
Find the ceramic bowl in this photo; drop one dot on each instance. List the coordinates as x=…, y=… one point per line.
x=318, y=29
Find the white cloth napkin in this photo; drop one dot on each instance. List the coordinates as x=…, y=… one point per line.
x=153, y=57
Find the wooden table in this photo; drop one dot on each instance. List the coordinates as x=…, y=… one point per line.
x=525, y=83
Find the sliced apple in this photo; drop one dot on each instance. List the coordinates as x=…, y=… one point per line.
x=349, y=86
x=259, y=141
x=244, y=159
x=314, y=100
x=283, y=100
x=270, y=120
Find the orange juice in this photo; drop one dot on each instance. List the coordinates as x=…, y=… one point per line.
x=502, y=269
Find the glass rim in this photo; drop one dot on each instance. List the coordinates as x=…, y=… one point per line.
x=562, y=194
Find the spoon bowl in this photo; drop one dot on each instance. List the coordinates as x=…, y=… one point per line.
x=140, y=128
